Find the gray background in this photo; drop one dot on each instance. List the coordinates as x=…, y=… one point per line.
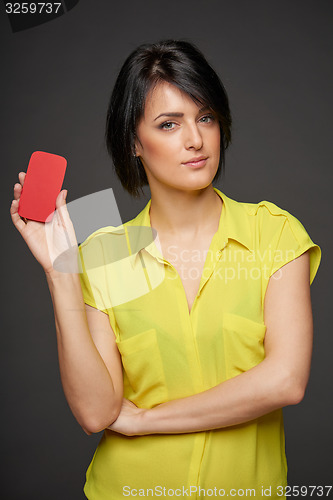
x=275, y=59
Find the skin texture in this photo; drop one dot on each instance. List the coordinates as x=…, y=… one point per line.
x=166, y=143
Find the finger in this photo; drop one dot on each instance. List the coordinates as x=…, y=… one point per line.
x=63, y=217
x=17, y=191
x=61, y=207
x=18, y=222
x=21, y=177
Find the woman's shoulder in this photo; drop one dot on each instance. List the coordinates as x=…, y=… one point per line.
x=118, y=241
x=97, y=237
x=263, y=208
x=104, y=233
x=271, y=217
x=267, y=221
x=277, y=229
x=265, y=214
x=251, y=208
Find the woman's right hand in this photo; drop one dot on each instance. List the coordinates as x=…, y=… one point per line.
x=50, y=240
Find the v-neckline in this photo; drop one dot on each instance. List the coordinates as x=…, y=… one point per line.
x=205, y=264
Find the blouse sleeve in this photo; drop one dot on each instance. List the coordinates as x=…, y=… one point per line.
x=93, y=276
x=288, y=239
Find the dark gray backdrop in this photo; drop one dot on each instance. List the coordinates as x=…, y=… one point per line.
x=275, y=59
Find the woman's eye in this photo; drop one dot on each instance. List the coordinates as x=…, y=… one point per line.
x=167, y=126
x=207, y=118
x=172, y=125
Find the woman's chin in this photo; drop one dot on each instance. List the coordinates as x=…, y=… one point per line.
x=197, y=182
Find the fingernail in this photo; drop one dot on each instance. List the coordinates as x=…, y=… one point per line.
x=64, y=194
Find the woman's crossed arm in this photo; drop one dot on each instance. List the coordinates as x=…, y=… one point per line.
x=279, y=380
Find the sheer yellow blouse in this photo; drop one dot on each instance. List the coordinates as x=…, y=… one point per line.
x=168, y=353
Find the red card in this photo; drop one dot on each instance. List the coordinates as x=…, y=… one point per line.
x=41, y=186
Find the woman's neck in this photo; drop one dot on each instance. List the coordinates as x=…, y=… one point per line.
x=185, y=214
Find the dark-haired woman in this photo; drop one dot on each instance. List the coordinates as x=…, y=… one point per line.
x=186, y=345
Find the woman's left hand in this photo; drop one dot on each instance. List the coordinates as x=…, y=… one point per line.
x=128, y=420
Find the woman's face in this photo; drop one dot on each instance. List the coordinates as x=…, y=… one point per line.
x=172, y=134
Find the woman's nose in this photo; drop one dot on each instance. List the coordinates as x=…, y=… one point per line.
x=193, y=137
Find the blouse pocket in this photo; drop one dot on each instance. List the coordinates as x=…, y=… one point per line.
x=243, y=343
x=143, y=368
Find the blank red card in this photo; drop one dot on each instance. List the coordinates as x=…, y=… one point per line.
x=42, y=184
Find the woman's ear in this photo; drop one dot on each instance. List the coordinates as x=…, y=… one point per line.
x=137, y=147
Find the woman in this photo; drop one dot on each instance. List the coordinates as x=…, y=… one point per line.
x=183, y=347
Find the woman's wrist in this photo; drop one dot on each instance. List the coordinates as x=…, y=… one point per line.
x=145, y=423
x=59, y=282
x=54, y=276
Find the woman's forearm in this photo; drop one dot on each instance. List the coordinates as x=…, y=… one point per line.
x=86, y=381
x=245, y=397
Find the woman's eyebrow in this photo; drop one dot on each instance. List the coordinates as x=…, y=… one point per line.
x=179, y=115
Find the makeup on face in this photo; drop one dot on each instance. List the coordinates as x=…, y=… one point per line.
x=178, y=142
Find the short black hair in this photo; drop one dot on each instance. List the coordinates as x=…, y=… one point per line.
x=178, y=62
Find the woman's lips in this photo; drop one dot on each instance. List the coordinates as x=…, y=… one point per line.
x=196, y=164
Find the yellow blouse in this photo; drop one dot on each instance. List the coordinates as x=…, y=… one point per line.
x=169, y=353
